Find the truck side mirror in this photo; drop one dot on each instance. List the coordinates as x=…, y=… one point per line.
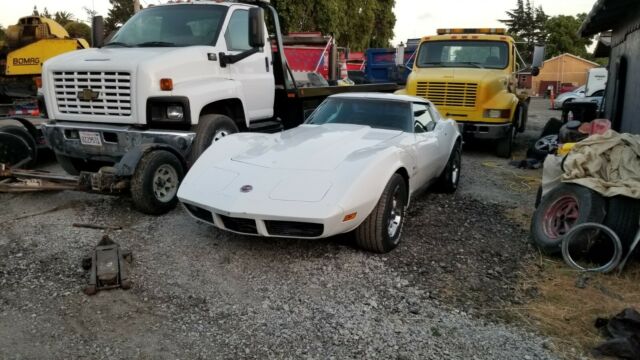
x=97, y=31
x=538, y=60
x=256, y=27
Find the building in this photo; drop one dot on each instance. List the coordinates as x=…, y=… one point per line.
x=560, y=70
x=622, y=17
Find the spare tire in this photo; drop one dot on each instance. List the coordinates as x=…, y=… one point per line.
x=623, y=217
x=560, y=210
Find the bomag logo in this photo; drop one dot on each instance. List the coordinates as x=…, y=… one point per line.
x=26, y=61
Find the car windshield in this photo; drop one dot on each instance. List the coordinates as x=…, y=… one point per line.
x=376, y=113
x=168, y=26
x=473, y=54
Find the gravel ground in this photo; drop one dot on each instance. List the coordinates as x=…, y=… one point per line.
x=202, y=293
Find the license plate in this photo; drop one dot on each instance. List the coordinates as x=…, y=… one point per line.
x=90, y=138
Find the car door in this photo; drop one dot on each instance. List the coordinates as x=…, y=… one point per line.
x=255, y=72
x=426, y=146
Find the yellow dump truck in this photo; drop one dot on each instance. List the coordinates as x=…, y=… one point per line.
x=471, y=76
x=28, y=44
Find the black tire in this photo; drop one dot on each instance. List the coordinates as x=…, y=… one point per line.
x=450, y=177
x=538, y=196
x=551, y=127
x=154, y=185
x=373, y=234
x=22, y=133
x=13, y=149
x=623, y=217
x=525, y=118
x=551, y=221
x=504, y=147
x=209, y=128
x=542, y=147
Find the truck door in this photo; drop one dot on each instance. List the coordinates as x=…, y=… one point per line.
x=426, y=146
x=255, y=72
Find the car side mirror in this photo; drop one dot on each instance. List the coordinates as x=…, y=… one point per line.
x=256, y=27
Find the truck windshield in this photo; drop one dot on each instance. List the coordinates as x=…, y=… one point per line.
x=376, y=113
x=476, y=54
x=174, y=25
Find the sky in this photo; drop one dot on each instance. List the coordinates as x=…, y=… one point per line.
x=415, y=18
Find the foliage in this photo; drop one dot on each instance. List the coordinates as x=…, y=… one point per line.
x=78, y=30
x=563, y=36
x=526, y=24
x=357, y=24
x=120, y=12
x=63, y=17
x=2, y=35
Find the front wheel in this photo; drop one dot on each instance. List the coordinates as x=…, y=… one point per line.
x=211, y=128
x=380, y=232
x=505, y=145
x=155, y=182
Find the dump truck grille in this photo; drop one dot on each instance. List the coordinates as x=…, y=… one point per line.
x=293, y=228
x=247, y=226
x=449, y=93
x=93, y=93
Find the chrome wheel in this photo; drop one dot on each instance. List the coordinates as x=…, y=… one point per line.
x=548, y=144
x=395, y=217
x=455, y=170
x=219, y=135
x=165, y=183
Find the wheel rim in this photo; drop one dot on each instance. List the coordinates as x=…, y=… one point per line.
x=395, y=217
x=455, y=169
x=165, y=183
x=560, y=217
x=547, y=143
x=219, y=135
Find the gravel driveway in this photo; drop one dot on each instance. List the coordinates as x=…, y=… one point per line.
x=202, y=293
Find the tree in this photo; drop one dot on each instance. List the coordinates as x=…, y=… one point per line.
x=78, y=30
x=120, y=12
x=357, y=24
x=63, y=17
x=563, y=36
x=526, y=24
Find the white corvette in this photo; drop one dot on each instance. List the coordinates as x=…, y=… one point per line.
x=353, y=165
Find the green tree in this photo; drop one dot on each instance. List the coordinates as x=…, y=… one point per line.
x=2, y=33
x=78, y=30
x=526, y=24
x=563, y=36
x=63, y=17
x=120, y=12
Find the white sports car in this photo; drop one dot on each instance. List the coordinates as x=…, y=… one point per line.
x=353, y=165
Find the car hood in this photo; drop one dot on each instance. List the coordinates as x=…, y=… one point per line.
x=314, y=147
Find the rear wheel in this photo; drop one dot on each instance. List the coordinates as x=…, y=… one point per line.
x=23, y=134
x=380, y=232
x=211, y=128
x=155, y=182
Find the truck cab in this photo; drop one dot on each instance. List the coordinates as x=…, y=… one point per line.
x=471, y=76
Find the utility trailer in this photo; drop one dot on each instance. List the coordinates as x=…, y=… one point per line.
x=173, y=80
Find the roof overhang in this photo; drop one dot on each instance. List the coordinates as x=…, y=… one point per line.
x=606, y=13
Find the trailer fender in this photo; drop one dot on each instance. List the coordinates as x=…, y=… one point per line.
x=129, y=162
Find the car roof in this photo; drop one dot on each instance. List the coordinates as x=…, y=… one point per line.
x=381, y=96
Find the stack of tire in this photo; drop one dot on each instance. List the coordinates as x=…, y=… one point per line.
x=569, y=205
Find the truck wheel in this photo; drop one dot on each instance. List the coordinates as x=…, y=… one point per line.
x=523, y=116
x=505, y=145
x=450, y=177
x=560, y=210
x=380, y=232
x=211, y=128
x=22, y=133
x=155, y=182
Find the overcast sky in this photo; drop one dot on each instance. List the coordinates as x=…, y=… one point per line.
x=415, y=18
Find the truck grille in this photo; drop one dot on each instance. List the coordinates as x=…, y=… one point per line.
x=111, y=93
x=449, y=93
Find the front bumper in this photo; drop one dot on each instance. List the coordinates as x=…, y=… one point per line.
x=486, y=131
x=116, y=140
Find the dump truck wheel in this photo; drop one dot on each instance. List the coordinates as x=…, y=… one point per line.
x=155, y=182
x=211, y=128
x=381, y=230
x=505, y=145
x=560, y=210
x=22, y=133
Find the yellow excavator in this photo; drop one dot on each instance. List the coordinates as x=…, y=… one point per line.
x=29, y=43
